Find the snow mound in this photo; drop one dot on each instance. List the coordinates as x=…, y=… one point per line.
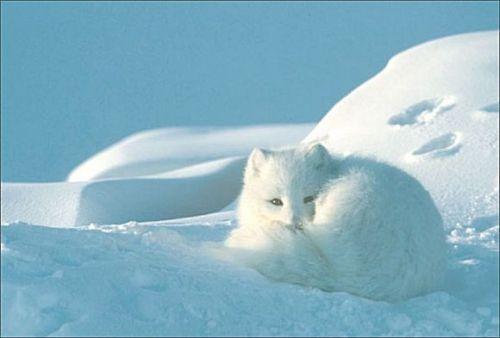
x=156, y=151
x=209, y=185
x=433, y=111
x=169, y=195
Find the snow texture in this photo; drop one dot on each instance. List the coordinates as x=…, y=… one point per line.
x=433, y=111
x=174, y=148
x=127, y=183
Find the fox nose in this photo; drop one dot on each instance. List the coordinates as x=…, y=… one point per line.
x=295, y=225
x=296, y=222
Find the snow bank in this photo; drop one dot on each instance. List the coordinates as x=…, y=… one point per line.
x=144, y=181
x=432, y=111
x=156, y=151
x=194, y=190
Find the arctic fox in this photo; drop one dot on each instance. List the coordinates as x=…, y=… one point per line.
x=339, y=224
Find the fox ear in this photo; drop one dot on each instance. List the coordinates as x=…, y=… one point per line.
x=256, y=159
x=317, y=155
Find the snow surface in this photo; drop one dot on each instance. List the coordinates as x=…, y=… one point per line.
x=156, y=151
x=127, y=183
x=432, y=111
x=160, y=279
x=421, y=114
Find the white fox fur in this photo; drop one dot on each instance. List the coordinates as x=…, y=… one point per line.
x=345, y=224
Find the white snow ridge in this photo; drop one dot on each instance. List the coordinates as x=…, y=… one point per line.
x=126, y=246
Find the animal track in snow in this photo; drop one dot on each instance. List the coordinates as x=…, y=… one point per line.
x=491, y=108
x=487, y=111
x=423, y=111
x=441, y=146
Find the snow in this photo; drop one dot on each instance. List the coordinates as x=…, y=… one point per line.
x=109, y=254
x=419, y=114
x=169, y=195
x=174, y=148
x=160, y=279
x=126, y=183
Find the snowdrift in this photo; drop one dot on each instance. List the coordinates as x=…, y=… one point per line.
x=169, y=195
x=433, y=111
x=139, y=178
x=157, y=151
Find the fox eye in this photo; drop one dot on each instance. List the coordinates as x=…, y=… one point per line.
x=276, y=201
x=308, y=199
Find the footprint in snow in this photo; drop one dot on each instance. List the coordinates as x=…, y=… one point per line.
x=486, y=112
x=423, y=111
x=492, y=108
x=442, y=146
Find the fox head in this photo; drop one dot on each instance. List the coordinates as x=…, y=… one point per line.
x=281, y=186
